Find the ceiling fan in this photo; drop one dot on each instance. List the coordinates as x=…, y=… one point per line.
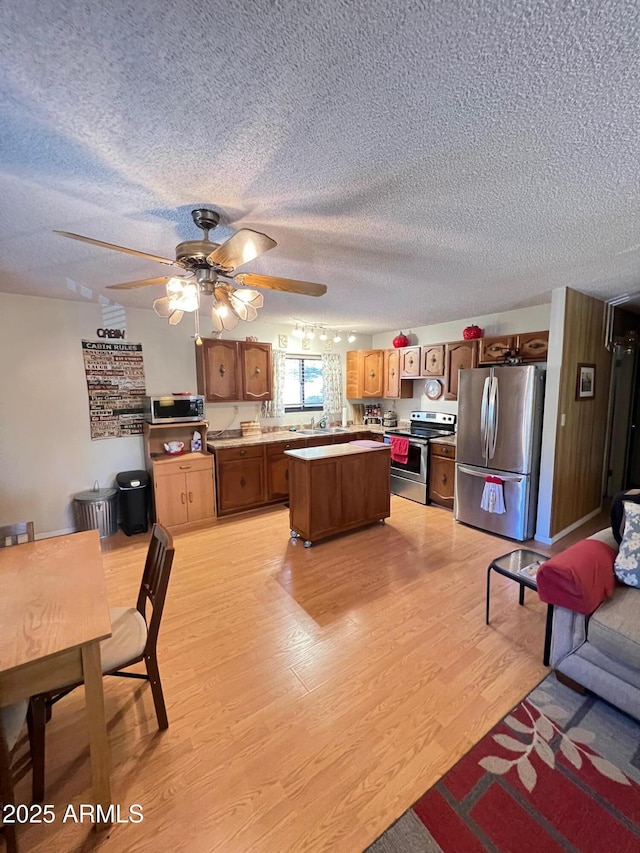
x=208, y=267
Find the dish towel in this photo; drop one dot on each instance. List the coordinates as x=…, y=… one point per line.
x=399, y=448
x=493, y=495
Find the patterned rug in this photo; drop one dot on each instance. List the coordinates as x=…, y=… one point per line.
x=561, y=772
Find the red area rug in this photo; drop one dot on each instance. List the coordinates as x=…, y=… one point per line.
x=561, y=772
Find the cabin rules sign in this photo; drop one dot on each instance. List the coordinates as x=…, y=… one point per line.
x=115, y=381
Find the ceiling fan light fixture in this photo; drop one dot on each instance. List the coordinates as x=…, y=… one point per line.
x=250, y=297
x=163, y=307
x=175, y=317
x=188, y=300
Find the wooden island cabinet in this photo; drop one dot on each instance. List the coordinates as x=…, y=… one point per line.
x=337, y=488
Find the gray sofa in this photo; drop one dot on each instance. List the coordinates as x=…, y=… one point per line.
x=602, y=651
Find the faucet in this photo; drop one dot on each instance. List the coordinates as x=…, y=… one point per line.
x=313, y=423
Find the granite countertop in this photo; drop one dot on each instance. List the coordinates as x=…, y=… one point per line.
x=214, y=444
x=446, y=439
x=308, y=454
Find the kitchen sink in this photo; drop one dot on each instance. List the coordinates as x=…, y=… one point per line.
x=319, y=431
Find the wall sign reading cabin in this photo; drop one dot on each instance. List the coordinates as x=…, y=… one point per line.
x=110, y=333
x=116, y=386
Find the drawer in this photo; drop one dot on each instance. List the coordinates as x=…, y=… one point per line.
x=448, y=451
x=233, y=454
x=279, y=447
x=182, y=465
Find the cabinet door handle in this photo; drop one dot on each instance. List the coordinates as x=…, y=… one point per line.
x=183, y=498
x=190, y=497
x=243, y=453
x=256, y=372
x=372, y=374
x=222, y=370
x=243, y=482
x=393, y=373
x=444, y=478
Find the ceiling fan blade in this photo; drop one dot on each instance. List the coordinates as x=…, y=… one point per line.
x=244, y=246
x=142, y=282
x=124, y=249
x=289, y=285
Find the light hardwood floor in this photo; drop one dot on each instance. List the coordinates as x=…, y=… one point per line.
x=313, y=694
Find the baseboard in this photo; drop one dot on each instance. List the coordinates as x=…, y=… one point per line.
x=53, y=533
x=550, y=540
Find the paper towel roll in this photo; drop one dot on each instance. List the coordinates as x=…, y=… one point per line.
x=344, y=416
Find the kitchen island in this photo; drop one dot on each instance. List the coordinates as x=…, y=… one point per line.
x=337, y=488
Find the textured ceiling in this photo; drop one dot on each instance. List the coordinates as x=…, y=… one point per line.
x=430, y=161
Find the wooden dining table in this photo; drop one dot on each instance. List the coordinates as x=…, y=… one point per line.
x=53, y=615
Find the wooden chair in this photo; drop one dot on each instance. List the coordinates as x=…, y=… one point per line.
x=133, y=639
x=12, y=718
x=13, y=532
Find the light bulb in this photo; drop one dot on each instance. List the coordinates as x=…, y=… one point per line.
x=351, y=337
x=323, y=335
x=298, y=332
x=310, y=334
x=337, y=338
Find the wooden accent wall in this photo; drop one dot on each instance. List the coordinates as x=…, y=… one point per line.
x=577, y=476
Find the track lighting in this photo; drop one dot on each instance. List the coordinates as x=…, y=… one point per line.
x=337, y=338
x=310, y=334
x=298, y=332
x=323, y=335
x=351, y=337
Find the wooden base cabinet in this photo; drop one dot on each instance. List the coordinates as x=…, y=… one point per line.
x=442, y=473
x=241, y=480
x=183, y=489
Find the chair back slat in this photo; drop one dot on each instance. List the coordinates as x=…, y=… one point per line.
x=10, y=533
x=155, y=578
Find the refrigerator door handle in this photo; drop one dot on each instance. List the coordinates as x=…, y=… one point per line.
x=494, y=401
x=484, y=412
x=507, y=478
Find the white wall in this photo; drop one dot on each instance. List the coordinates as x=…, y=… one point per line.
x=46, y=453
x=506, y=323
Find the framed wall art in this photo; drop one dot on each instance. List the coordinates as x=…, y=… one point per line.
x=586, y=382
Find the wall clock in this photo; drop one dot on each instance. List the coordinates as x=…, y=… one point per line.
x=433, y=389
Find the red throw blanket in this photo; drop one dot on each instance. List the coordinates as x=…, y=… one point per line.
x=579, y=578
x=399, y=448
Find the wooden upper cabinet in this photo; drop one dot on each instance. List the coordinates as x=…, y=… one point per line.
x=219, y=371
x=256, y=370
x=229, y=371
x=365, y=373
x=459, y=355
x=410, y=362
x=493, y=350
x=432, y=360
x=394, y=386
x=533, y=346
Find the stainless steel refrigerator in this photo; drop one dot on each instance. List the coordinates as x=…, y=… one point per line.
x=499, y=434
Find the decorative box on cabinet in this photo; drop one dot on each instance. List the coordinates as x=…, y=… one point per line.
x=365, y=373
x=493, y=350
x=410, y=362
x=432, y=360
x=458, y=355
x=442, y=470
x=394, y=386
x=228, y=371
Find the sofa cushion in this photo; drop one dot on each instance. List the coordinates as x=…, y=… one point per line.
x=614, y=629
x=627, y=564
x=579, y=578
x=618, y=511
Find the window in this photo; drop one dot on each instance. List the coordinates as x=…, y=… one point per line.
x=303, y=384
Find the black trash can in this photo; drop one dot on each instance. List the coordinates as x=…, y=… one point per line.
x=133, y=500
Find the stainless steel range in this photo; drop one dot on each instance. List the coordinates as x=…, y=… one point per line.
x=410, y=478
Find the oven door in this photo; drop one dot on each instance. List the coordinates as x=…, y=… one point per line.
x=415, y=468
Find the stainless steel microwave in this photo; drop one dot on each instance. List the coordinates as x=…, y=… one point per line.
x=174, y=408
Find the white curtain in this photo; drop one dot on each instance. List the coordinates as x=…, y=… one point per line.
x=275, y=408
x=332, y=378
